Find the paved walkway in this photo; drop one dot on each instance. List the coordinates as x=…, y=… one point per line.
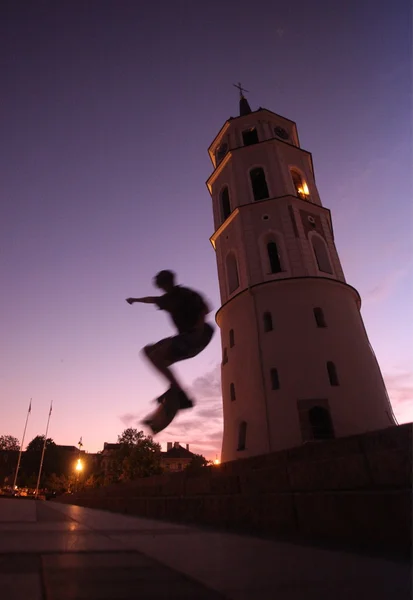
x=61, y=552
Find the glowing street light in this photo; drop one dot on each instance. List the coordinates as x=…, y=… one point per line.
x=217, y=461
x=79, y=465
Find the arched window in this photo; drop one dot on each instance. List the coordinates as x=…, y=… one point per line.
x=232, y=272
x=231, y=338
x=332, y=373
x=321, y=254
x=301, y=188
x=319, y=317
x=232, y=392
x=259, y=184
x=267, y=321
x=321, y=424
x=242, y=435
x=225, y=205
x=220, y=152
x=250, y=136
x=275, y=381
x=274, y=257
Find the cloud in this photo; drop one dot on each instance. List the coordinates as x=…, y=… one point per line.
x=128, y=419
x=214, y=412
x=387, y=285
x=200, y=427
x=209, y=385
x=217, y=435
x=399, y=386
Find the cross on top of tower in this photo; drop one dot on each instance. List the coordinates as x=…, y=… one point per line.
x=244, y=107
x=240, y=88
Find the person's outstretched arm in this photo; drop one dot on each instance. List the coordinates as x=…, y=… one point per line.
x=145, y=300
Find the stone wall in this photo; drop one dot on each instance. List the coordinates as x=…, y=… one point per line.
x=356, y=490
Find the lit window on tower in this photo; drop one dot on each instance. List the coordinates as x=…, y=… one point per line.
x=301, y=188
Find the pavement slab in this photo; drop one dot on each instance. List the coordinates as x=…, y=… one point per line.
x=52, y=551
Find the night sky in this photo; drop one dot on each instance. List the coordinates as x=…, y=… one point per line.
x=107, y=110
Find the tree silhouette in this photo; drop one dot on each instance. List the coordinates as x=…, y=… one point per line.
x=130, y=437
x=9, y=442
x=137, y=456
x=36, y=445
x=31, y=459
x=198, y=463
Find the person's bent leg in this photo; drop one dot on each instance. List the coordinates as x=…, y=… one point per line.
x=160, y=356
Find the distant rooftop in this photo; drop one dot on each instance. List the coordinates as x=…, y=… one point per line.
x=173, y=451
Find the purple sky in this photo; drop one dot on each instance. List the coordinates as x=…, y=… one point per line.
x=108, y=108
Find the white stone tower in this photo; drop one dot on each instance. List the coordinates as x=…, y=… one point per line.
x=297, y=364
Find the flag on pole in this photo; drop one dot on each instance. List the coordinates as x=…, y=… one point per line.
x=80, y=443
x=30, y=406
x=50, y=411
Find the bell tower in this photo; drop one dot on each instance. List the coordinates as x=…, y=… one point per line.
x=297, y=364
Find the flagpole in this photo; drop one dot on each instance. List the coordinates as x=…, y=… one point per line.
x=21, y=445
x=43, y=451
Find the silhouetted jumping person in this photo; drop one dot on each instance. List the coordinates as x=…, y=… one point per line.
x=188, y=310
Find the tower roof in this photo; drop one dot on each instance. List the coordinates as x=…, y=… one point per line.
x=244, y=107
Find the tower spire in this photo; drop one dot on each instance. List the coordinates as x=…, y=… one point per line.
x=244, y=107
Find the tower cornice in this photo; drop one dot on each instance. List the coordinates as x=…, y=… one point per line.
x=245, y=118
x=217, y=171
x=224, y=161
x=236, y=211
x=224, y=225
x=287, y=281
x=218, y=137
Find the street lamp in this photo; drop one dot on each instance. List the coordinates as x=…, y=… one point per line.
x=78, y=469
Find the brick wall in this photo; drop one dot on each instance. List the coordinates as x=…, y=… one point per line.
x=355, y=490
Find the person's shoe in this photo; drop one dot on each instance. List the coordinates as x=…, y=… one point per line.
x=184, y=401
